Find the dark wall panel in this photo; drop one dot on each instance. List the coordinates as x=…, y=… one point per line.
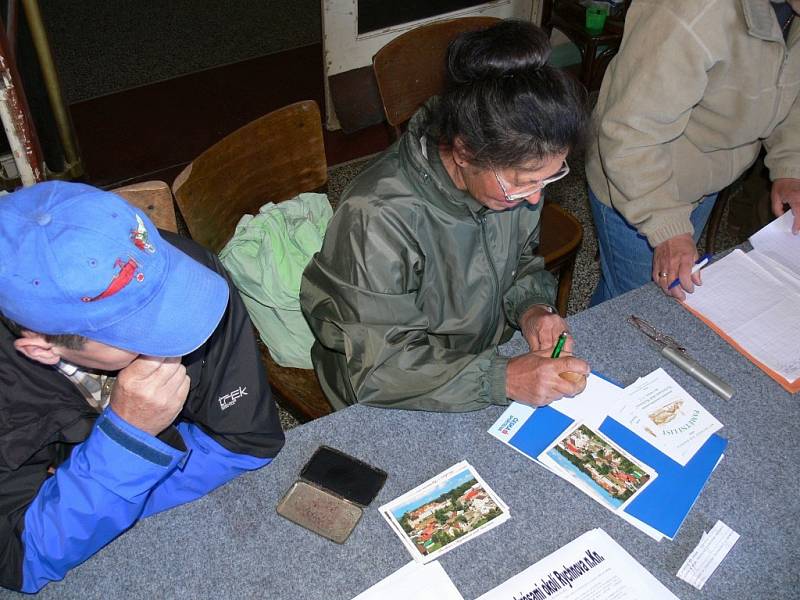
x=104, y=46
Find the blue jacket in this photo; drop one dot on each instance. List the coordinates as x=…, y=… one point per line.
x=72, y=480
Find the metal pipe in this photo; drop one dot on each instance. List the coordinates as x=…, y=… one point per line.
x=73, y=166
x=17, y=123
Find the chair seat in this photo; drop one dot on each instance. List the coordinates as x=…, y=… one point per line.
x=296, y=390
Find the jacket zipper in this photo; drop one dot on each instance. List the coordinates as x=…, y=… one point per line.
x=491, y=269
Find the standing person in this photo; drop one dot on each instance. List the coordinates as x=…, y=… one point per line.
x=131, y=377
x=430, y=259
x=695, y=89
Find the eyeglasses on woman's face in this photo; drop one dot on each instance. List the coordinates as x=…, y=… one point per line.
x=529, y=190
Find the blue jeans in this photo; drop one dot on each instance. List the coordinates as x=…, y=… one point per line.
x=626, y=258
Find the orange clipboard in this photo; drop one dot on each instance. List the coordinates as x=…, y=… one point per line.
x=790, y=386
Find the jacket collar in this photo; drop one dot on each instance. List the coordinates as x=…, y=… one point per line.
x=430, y=169
x=761, y=21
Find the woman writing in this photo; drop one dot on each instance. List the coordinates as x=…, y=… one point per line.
x=430, y=260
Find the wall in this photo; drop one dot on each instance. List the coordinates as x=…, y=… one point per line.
x=105, y=46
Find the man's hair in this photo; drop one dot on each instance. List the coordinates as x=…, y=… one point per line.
x=66, y=340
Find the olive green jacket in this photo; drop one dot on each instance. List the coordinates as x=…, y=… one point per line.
x=695, y=89
x=415, y=286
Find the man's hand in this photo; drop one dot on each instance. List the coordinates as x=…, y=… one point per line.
x=535, y=380
x=150, y=392
x=786, y=191
x=675, y=258
x=541, y=329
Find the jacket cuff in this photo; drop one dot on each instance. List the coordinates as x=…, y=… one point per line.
x=669, y=230
x=497, y=380
x=784, y=172
x=124, y=459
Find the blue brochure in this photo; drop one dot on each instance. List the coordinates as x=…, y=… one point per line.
x=664, y=503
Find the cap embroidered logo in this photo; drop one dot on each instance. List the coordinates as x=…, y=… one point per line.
x=140, y=237
x=127, y=272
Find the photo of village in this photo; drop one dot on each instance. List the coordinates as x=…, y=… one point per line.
x=606, y=471
x=445, y=511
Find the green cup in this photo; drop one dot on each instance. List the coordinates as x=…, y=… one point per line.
x=596, y=19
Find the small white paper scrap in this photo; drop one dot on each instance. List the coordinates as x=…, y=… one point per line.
x=710, y=552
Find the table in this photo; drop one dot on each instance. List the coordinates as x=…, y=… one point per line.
x=597, y=49
x=232, y=544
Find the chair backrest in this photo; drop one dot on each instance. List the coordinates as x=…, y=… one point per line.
x=410, y=69
x=155, y=199
x=271, y=159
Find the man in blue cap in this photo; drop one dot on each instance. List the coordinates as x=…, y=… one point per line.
x=130, y=380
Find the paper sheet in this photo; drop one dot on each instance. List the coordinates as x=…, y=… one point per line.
x=777, y=242
x=591, y=566
x=414, y=581
x=594, y=403
x=776, y=269
x=754, y=308
x=660, y=411
x=712, y=549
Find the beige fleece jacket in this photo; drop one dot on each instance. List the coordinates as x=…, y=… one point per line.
x=696, y=88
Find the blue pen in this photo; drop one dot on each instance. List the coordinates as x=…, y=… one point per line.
x=701, y=262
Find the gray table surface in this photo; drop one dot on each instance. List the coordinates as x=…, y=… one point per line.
x=232, y=544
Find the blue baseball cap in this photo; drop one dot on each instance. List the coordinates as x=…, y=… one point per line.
x=77, y=260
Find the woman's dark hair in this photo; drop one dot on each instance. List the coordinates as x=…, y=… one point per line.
x=505, y=102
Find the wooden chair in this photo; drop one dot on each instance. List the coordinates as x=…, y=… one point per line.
x=597, y=50
x=409, y=70
x=155, y=199
x=271, y=159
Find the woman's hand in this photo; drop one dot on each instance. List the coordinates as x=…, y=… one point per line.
x=675, y=259
x=541, y=329
x=536, y=380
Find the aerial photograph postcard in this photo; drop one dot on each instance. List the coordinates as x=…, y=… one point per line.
x=444, y=512
x=600, y=467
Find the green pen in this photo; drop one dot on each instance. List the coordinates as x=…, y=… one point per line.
x=559, y=345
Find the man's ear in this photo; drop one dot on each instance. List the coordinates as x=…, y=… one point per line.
x=35, y=347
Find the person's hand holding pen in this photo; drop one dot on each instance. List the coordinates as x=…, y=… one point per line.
x=535, y=378
x=675, y=259
x=575, y=377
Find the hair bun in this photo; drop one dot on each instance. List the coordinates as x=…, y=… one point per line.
x=502, y=50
